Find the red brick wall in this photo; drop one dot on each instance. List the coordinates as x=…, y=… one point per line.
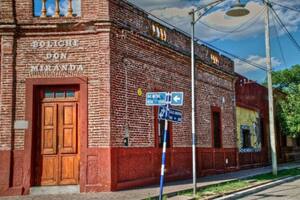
x=7, y=92
x=146, y=63
x=6, y=11
x=93, y=53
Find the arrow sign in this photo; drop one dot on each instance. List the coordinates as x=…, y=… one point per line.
x=177, y=98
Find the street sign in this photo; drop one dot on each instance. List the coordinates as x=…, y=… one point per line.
x=156, y=98
x=164, y=100
x=171, y=115
x=177, y=98
x=162, y=114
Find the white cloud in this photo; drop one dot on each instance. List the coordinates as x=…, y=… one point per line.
x=51, y=10
x=63, y=5
x=243, y=68
x=254, y=73
x=77, y=7
x=235, y=28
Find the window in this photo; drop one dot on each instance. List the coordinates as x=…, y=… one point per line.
x=216, y=128
x=70, y=93
x=49, y=94
x=246, y=138
x=298, y=141
x=57, y=8
x=58, y=94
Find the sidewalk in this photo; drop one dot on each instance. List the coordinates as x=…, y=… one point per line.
x=145, y=192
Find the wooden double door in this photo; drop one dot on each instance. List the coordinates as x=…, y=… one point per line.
x=57, y=160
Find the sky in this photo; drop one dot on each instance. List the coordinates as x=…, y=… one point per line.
x=240, y=36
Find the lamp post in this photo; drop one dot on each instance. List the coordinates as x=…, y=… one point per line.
x=237, y=10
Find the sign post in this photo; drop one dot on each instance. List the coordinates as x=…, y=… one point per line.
x=163, y=158
x=164, y=100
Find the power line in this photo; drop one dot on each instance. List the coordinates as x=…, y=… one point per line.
x=235, y=56
x=286, y=30
x=243, y=24
x=206, y=43
x=236, y=30
x=287, y=7
x=278, y=40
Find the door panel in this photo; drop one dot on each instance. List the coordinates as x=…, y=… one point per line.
x=49, y=131
x=69, y=169
x=49, y=170
x=68, y=143
x=67, y=128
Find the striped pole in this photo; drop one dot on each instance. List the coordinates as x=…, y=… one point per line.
x=163, y=161
x=163, y=158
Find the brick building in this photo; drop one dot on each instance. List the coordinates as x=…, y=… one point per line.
x=252, y=121
x=72, y=99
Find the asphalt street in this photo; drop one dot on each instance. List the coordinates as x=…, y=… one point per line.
x=290, y=190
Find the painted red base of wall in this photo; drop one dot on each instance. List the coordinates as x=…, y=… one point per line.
x=111, y=169
x=141, y=166
x=11, y=172
x=253, y=159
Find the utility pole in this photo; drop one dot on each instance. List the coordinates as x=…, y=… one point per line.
x=270, y=90
x=193, y=102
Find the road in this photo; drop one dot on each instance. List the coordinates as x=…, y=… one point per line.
x=290, y=190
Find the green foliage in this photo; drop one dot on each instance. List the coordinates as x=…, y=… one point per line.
x=288, y=109
x=286, y=79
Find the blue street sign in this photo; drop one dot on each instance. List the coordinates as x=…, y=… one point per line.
x=156, y=98
x=174, y=115
x=170, y=115
x=162, y=114
x=177, y=98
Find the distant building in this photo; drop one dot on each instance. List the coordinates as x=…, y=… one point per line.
x=72, y=99
x=252, y=121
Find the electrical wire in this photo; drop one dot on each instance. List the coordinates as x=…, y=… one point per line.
x=206, y=43
x=256, y=18
x=287, y=7
x=207, y=10
x=286, y=30
x=235, y=56
x=236, y=30
x=278, y=40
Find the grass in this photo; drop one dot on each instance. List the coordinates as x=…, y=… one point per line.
x=231, y=186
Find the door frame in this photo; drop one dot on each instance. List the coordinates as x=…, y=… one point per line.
x=32, y=85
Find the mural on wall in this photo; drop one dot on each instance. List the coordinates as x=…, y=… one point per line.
x=248, y=130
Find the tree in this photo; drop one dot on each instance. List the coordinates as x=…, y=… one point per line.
x=288, y=108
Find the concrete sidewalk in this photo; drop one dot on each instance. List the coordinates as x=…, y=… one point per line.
x=150, y=191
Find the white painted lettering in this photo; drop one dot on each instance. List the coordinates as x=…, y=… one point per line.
x=34, y=68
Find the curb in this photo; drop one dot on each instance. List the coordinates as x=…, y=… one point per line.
x=258, y=188
x=175, y=193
